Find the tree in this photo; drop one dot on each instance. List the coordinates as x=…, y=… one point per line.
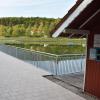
x=16, y=31
x=9, y=31
x=20, y=26
x=2, y=30
x=28, y=31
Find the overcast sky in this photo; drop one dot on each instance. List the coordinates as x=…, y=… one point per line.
x=35, y=8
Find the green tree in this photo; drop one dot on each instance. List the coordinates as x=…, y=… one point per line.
x=28, y=31
x=16, y=31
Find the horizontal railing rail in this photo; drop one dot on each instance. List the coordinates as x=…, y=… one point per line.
x=55, y=64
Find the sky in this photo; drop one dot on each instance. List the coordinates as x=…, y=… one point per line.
x=35, y=8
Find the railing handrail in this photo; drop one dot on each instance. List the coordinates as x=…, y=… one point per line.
x=55, y=55
x=55, y=64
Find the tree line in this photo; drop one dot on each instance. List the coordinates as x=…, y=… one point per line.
x=21, y=26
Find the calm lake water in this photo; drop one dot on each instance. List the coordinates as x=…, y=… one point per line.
x=54, y=49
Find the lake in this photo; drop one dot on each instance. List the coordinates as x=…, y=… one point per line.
x=54, y=49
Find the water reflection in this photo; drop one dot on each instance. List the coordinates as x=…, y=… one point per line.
x=54, y=49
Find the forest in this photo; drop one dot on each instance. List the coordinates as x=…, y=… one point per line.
x=22, y=26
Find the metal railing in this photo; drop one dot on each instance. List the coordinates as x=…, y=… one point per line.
x=55, y=64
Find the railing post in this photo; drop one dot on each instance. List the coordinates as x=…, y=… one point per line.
x=16, y=52
x=81, y=62
x=56, y=65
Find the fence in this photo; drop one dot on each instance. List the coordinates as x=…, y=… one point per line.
x=55, y=64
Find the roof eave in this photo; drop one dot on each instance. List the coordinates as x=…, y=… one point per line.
x=72, y=16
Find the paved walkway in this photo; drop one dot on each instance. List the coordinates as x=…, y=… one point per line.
x=22, y=81
x=74, y=79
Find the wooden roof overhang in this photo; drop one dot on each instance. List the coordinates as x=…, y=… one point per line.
x=86, y=20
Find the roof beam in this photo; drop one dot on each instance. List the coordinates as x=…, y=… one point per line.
x=90, y=18
x=77, y=31
x=73, y=32
x=70, y=35
x=82, y=35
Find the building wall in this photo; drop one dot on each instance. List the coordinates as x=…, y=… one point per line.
x=92, y=79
